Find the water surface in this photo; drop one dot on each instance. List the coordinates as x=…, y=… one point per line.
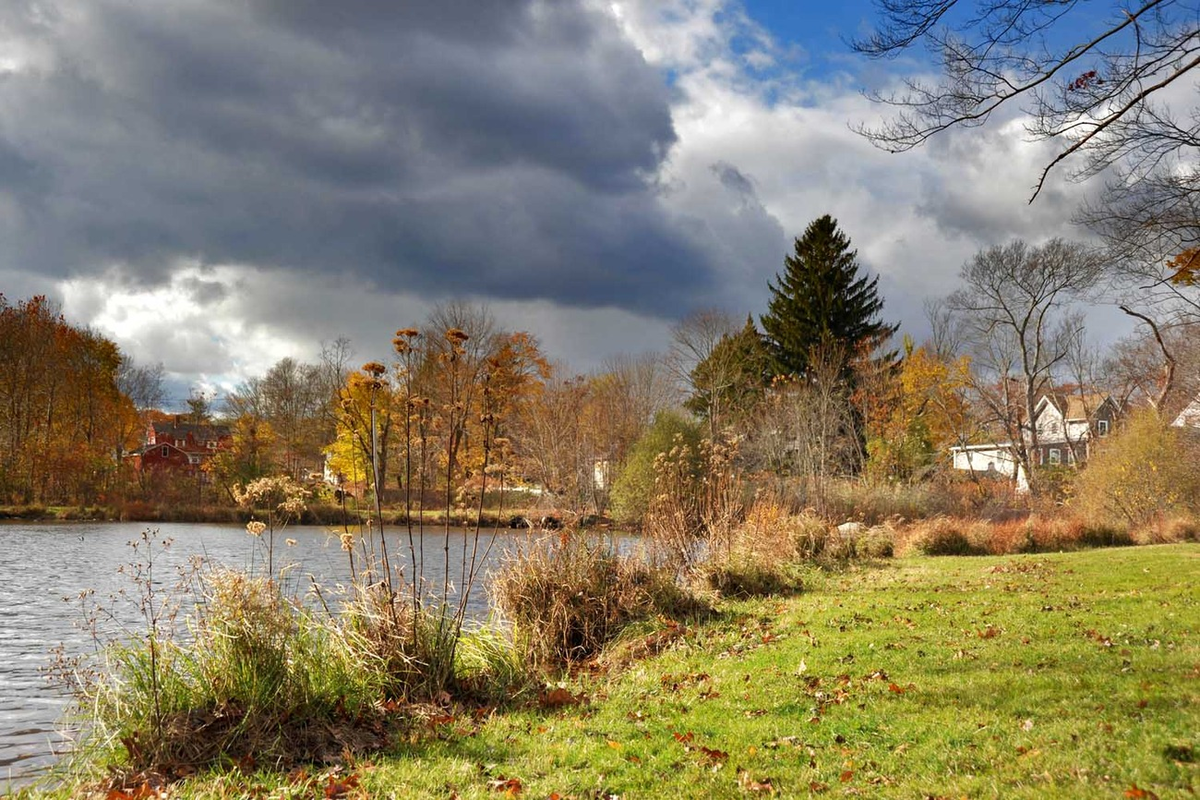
x=45, y=567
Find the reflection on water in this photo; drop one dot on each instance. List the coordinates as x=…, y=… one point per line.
x=44, y=568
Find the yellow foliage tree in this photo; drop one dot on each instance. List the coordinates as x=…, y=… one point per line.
x=916, y=412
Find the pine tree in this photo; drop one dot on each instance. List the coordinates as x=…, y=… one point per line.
x=822, y=301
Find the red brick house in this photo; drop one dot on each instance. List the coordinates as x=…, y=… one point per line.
x=180, y=446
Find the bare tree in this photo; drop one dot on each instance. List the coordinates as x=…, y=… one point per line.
x=1102, y=94
x=1155, y=366
x=1011, y=313
x=806, y=427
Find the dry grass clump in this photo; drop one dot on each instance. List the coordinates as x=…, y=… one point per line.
x=1036, y=533
x=946, y=536
x=566, y=599
x=1169, y=529
x=947, y=495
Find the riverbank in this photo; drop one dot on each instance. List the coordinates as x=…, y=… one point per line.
x=1066, y=675
x=329, y=515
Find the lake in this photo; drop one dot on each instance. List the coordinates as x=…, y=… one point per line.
x=45, y=567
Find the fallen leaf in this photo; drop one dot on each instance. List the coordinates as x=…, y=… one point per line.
x=335, y=788
x=1136, y=793
x=749, y=784
x=1027, y=725
x=846, y=776
x=559, y=697
x=509, y=786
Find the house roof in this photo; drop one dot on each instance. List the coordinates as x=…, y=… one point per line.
x=180, y=430
x=1190, y=416
x=1075, y=406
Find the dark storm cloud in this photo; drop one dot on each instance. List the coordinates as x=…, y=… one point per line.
x=505, y=148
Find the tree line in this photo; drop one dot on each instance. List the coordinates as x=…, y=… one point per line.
x=816, y=389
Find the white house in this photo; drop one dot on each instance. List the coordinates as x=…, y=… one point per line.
x=1190, y=416
x=990, y=459
x=1067, y=424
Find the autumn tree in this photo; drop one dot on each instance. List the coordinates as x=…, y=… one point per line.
x=294, y=400
x=916, y=413
x=822, y=301
x=61, y=409
x=575, y=434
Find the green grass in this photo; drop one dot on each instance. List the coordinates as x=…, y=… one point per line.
x=1054, y=675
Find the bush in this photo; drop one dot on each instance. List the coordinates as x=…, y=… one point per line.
x=744, y=578
x=1143, y=472
x=944, y=536
x=634, y=486
x=259, y=675
x=568, y=599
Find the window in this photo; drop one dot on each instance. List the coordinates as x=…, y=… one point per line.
x=166, y=451
x=179, y=443
x=1055, y=455
x=1102, y=427
x=211, y=445
x=193, y=459
x=1070, y=455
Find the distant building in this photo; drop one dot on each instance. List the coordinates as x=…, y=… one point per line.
x=1068, y=424
x=1190, y=416
x=180, y=447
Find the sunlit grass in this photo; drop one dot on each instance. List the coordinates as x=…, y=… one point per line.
x=1063, y=675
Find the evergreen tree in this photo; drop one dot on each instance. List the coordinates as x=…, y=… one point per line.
x=727, y=382
x=822, y=301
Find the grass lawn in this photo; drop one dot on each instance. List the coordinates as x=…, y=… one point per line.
x=1064, y=675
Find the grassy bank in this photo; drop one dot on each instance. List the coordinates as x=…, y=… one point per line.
x=1065, y=675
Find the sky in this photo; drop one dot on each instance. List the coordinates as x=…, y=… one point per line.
x=218, y=184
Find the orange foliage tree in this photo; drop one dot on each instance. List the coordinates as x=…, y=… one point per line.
x=63, y=419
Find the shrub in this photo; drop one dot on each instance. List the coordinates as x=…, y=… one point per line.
x=1144, y=471
x=944, y=536
x=566, y=600
x=633, y=488
x=743, y=578
x=259, y=675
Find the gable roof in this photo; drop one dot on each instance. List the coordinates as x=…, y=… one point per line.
x=1190, y=416
x=1073, y=406
x=180, y=430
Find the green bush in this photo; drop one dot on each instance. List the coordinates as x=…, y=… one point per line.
x=634, y=486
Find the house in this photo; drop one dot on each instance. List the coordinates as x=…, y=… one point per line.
x=1190, y=416
x=181, y=447
x=1069, y=424
x=990, y=459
